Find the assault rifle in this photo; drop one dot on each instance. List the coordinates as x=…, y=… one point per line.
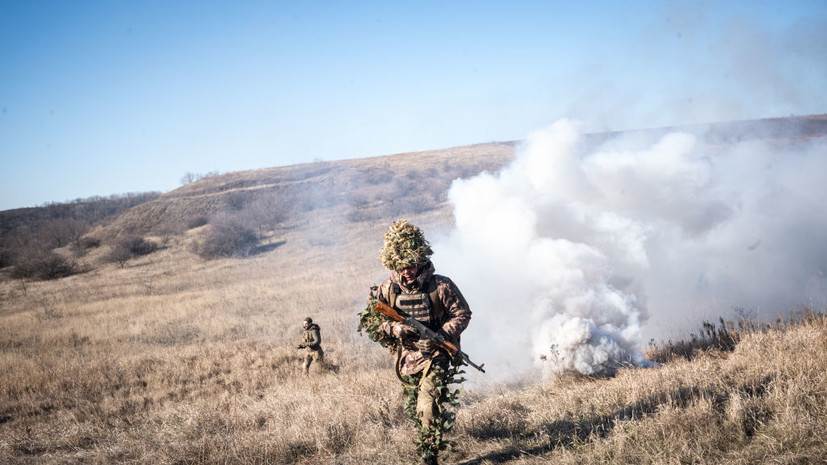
x=426, y=333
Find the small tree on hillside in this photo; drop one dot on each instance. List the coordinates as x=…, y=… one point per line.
x=188, y=177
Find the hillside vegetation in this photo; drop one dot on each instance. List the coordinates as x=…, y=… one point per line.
x=175, y=357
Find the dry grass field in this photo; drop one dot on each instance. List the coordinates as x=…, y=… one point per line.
x=175, y=359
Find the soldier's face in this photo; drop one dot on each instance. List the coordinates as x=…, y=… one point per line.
x=305, y=325
x=409, y=273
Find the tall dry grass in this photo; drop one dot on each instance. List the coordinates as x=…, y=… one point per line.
x=764, y=402
x=176, y=360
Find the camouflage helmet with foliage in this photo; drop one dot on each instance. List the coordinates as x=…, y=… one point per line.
x=405, y=246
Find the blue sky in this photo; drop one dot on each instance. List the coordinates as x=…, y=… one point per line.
x=110, y=97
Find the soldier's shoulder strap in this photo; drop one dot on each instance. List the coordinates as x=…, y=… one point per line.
x=393, y=291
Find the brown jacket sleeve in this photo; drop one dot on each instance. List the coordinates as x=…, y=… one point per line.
x=457, y=313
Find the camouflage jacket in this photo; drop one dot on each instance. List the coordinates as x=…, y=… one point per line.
x=312, y=338
x=451, y=314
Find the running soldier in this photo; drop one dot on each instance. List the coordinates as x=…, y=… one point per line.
x=312, y=342
x=434, y=300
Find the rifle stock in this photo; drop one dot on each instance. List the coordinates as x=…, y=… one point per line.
x=427, y=333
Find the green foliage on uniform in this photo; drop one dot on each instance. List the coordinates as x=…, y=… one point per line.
x=431, y=438
x=405, y=246
x=370, y=321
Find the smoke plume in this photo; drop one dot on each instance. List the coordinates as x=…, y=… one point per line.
x=577, y=251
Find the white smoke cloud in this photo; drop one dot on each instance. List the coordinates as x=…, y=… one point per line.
x=569, y=250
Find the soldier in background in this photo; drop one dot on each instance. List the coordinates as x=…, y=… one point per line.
x=312, y=342
x=424, y=369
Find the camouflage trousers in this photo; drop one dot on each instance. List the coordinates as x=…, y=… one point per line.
x=312, y=355
x=427, y=397
x=427, y=401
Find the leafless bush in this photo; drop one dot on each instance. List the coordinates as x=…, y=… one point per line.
x=196, y=221
x=42, y=265
x=117, y=255
x=127, y=248
x=228, y=236
x=235, y=201
x=137, y=245
x=63, y=231
x=405, y=187
x=6, y=257
x=87, y=242
x=84, y=244
x=264, y=213
x=419, y=203
x=375, y=177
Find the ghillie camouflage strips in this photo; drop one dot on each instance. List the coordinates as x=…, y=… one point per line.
x=370, y=321
x=405, y=246
x=430, y=438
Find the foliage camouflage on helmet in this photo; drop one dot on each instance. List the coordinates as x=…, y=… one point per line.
x=405, y=246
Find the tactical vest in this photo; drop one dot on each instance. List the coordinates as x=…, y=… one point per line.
x=422, y=306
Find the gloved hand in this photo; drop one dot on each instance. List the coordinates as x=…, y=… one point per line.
x=426, y=346
x=404, y=331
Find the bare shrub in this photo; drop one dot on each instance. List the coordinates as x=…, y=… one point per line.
x=127, y=248
x=117, y=255
x=235, y=201
x=6, y=257
x=264, y=213
x=376, y=177
x=419, y=203
x=228, y=236
x=196, y=221
x=87, y=242
x=405, y=187
x=43, y=265
x=63, y=231
x=137, y=245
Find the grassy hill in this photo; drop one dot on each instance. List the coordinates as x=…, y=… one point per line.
x=172, y=358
